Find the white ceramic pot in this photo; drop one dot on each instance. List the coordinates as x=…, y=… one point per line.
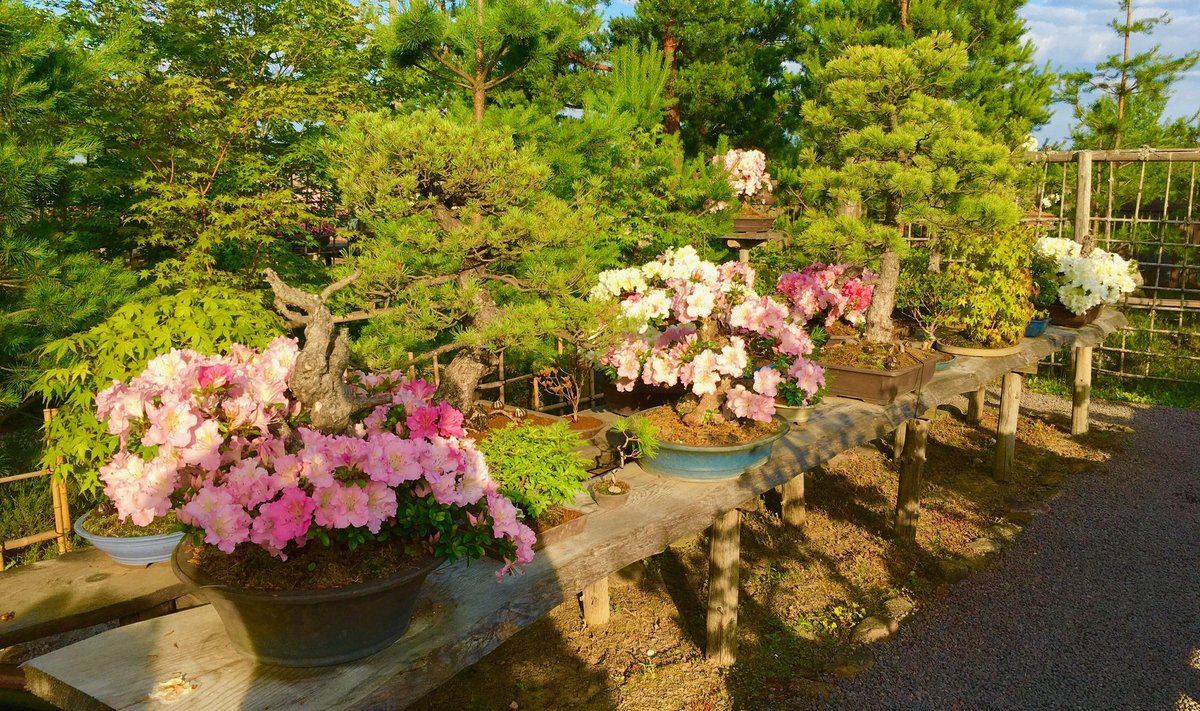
x=794, y=415
x=132, y=550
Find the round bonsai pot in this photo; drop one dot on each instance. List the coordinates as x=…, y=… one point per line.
x=976, y=352
x=131, y=550
x=607, y=500
x=1036, y=327
x=311, y=628
x=1062, y=316
x=794, y=414
x=689, y=462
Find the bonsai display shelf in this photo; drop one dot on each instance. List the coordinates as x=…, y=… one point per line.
x=463, y=613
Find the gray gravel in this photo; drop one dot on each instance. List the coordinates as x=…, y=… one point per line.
x=1095, y=606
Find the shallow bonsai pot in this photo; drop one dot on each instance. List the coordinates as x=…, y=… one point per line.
x=606, y=500
x=1062, y=316
x=642, y=397
x=589, y=433
x=976, y=352
x=567, y=529
x=879, y=387
x=752, y=225
x=1036, y=327
x=794, y=414
x=943, y=364
x=131, y=550
x=311, y=628
x=687, y=462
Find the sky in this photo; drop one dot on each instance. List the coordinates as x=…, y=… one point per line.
x=1073, y=35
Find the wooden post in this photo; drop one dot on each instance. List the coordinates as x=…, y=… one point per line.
x=1006, y=428
x=1082, y=390
x=792, y=495
x=723, y=560
x=976, y=404
x=898, y=440
x=595, y=603
x=912, y=470
x=58, y=498
x=1083, y=202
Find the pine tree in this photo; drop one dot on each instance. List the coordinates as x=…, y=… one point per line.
x=1133, y=91
x=1005, y=91
x=480, y=45
x=903, y=155
x=462, y=248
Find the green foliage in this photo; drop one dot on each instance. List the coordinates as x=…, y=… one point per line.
x=459, y=240
x=641, y=438
x=993, y=273
x=1131, y=93
x=926, y=296
x=536, y=465
x=79, y=366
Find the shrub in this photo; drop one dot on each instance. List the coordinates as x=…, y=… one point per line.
x=994, y=271
x=536, y=465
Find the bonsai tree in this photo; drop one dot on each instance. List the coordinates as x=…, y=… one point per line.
x=460, y=248
x=894, y=157
x=991, y=273
x=927, y=296
x=536, y=466
x=746, y=171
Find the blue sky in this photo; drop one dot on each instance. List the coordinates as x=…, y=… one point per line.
x=1073, y=35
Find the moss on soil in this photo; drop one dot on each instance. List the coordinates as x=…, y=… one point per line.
x=801, y=593
x=313, y=567
x=107, y=524
x=669, y=427
x=876, y=356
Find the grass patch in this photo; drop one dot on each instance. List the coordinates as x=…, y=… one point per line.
x=1142, y=392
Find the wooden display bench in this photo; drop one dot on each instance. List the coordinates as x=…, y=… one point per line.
x=464, y=613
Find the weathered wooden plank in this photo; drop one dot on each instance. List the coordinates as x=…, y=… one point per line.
x=912, y=470
x=724, y=565
x=1006, y=425
x=464, y=613
x=77, y=590
x=1081, y=391
x=595, y=603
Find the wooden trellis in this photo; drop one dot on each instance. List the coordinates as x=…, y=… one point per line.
x=59, y=503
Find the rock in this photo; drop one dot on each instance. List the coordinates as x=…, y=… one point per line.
x=851, y=668
x=872, y=629
x=898, y=608
x=983, y=546
x=1004, y=531
x=953, y=569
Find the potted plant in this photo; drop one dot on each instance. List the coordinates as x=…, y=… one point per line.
x=564, y=380
x=833, y=297
x=636, y=440
x=540, y=471
x=1045, y=293
x=315, y=503
x=991, y=277
x=697, y=324
x=128, y=542
x=751, y=185
x=1086, y=282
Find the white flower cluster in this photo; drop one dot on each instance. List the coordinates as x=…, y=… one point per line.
x=615, y=282
x=747, y=171
x=1085, y=282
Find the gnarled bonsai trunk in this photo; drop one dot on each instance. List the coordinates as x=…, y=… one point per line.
x=879, y=315
x=460, y=380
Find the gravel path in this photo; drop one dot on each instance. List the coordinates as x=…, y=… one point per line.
x=1095, y=606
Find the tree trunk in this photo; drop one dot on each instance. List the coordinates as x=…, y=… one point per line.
x=904, y=16
x=879, y=316
x=479, y=91
x=671, y=49
x=460, y=379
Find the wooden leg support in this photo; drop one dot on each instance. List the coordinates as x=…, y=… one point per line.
x=792, y=494
x=1006, y=428
x=1082, y=390
x=595, y=603
x=723, y=563
x=912, y=470
x=898, y=440
x=975, y=405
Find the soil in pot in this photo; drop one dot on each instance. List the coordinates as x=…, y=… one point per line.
x=586, y=425
x=557, y=523
x=496, y=420
x=106, y=523
x=671, y=428
x=876, y=356
x=610, y=494
x=313, y=567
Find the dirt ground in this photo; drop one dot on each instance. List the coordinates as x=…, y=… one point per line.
x=802, y=591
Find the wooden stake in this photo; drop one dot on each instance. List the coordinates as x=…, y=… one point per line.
x=723, y=560
x=1083, y=202
x=792, y=492
x=1082, y=391
x=595, y=603
x=1006, y=428
x=898, y=440
x=976, y=404
x=912, y=470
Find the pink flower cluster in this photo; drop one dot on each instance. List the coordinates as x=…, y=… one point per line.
x=747, y=171
x=213, y=438
x=815, y=290
x=711, y=302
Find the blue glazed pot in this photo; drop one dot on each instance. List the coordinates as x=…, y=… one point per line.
x=942, y=365
x=134, y=550
x=1036, y=327
x=688, y=462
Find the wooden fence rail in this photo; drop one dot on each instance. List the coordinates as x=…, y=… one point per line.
x=59, y=503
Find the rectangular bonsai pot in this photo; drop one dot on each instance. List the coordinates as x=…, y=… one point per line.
x=879, y=387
